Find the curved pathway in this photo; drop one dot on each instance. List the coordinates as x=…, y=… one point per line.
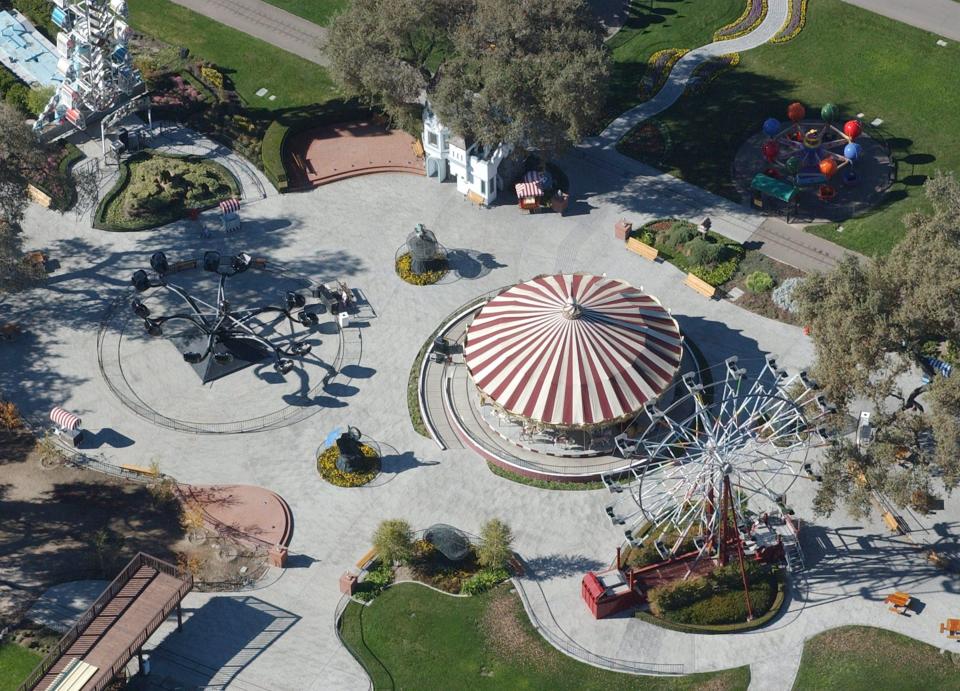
x=777, y=13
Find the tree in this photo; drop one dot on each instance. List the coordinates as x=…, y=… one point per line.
x=19, y=154
x=871, y=324
x=532, y=75
x=495, y=549
x=38, y=98
x=393, y=540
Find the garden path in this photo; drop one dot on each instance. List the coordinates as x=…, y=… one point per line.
x=941, y=17
x=268, y=23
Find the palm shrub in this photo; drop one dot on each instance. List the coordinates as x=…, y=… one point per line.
x=495, y=546
x=393, y=540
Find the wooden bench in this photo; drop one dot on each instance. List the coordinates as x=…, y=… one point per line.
x=893, y=522
x=367, y=558
x=139, y=470
x=417, y=148
x=699, y=285
x=183, y=265
x=643, y=249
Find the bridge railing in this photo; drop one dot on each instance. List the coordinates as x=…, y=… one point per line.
x=63, y=645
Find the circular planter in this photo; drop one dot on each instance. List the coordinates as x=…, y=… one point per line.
x=326, y=466
x=402, y=267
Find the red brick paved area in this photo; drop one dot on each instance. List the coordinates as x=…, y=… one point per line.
x=335, y=152
x=250, y=514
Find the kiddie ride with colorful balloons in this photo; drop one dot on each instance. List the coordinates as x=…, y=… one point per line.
x=810, y=154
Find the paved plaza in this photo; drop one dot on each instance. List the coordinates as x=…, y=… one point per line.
x=282, y=633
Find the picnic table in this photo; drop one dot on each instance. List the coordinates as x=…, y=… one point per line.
x=898, y=601
x=951, y=627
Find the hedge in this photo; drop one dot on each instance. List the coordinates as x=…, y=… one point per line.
x=100, y=218
x=298, y=120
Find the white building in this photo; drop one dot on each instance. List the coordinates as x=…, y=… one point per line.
x=475, y=168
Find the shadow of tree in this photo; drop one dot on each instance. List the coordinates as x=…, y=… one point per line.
x=560, y=565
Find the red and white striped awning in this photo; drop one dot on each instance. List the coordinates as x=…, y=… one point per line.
x=64, y=419
x=573, y=350
x=531, y=185
x=230, y=206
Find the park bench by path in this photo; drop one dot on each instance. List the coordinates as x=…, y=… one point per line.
x=643, y=249
x=138, y=470
x=699, y=285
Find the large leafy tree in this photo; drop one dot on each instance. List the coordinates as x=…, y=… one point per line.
x=871, y=325
x=533, y=74
x=19, y=154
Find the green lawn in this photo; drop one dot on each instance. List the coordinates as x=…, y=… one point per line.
x=317, y=11
x=15, y=664
x=678, y=24
x=414, y=638
x=859, y=60
x=861, y=658
x=249, y=62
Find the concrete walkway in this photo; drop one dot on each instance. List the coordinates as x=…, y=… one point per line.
x=940, y=17
x=268, y=23
x=790, y=245
x=777, y=13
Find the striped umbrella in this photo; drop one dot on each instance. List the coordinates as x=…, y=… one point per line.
x=573, y=350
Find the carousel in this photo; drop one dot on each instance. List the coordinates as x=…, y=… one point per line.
x=564, y=363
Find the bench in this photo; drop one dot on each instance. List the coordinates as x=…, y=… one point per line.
x=699, y=285
x=417, y=148
x=893, y=522
x=643, y=249
x=367, y=558
x=183, y=265
x=139, y=470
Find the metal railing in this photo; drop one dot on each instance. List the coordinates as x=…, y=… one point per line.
x=573, y=649
x=74, y=632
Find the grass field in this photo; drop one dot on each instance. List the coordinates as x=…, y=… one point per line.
x=249, y=62
x=15, y=664
x=862, y=62
x=317, y=11
x=677, y=24
x=414, y=638
x=860, y=658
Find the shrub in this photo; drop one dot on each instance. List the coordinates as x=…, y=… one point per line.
x=680, y=233
x=38, y=98
x=483, y=580
x=717, y=598
x=702, y=252
x=759, y=282
x=495, y=544
x=271, y=153
x=9, y=416
x=783, y=295
x=647, y=237
x=212, y=76
x=393, y=540
x=18, y=96
x=716, y=275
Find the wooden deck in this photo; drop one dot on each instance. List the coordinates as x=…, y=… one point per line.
x=116, y=626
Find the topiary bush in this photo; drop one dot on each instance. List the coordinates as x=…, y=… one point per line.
x=759, y=282
x=702, y=252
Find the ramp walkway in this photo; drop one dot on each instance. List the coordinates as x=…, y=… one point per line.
x=107, y=636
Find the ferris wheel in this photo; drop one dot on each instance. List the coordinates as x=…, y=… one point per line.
x=721, y=449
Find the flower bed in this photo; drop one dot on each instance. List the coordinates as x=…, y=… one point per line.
x=795, y=23
x=404, y=271
x=327, y=467
x=658, y=69
x=465, y=576
x=753, y=15
x=710, y=257
x=707, y=71
x=648, y=141
x=762, y=302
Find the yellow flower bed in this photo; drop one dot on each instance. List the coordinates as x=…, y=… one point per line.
x=426, y=278
x=796, y=19
x=327, y=467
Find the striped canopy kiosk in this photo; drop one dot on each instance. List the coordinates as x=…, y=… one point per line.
x=573, y=351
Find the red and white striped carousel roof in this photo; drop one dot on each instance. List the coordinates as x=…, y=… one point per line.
x=571, y=350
